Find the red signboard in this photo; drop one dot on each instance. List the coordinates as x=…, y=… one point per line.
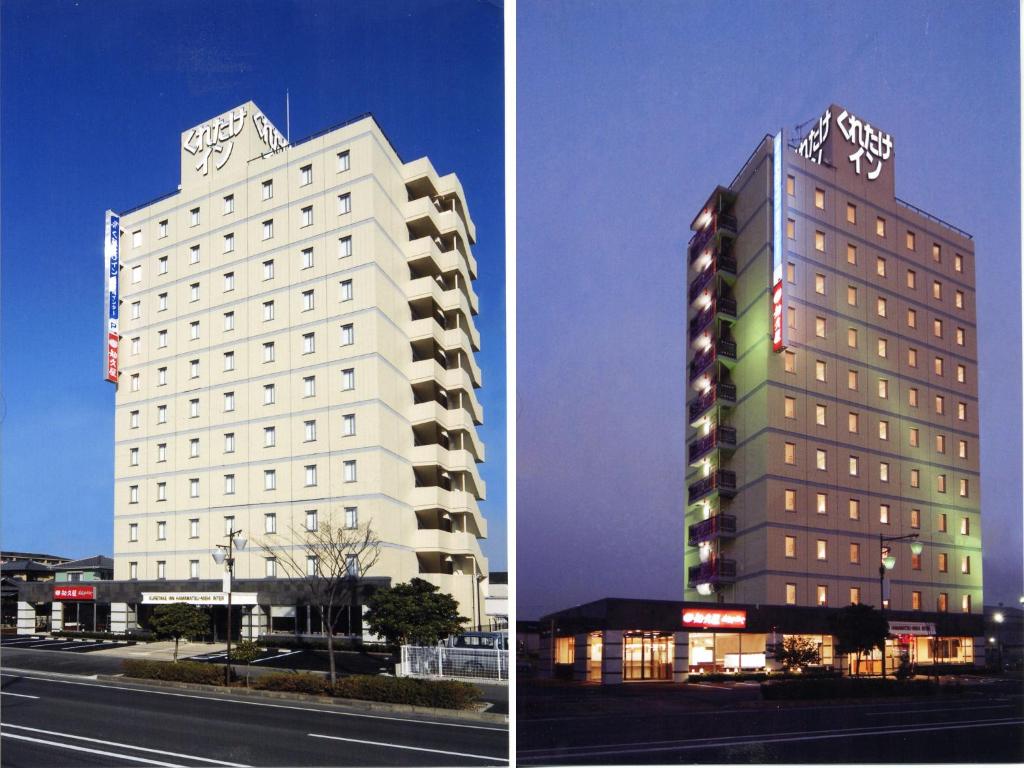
x=777, y=317
x=74, y=593
x=714, y=618
x=112, y=344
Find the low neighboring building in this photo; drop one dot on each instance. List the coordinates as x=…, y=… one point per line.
x=98, y=568
x=7, y=557
x=496, y=600
x=17, y=568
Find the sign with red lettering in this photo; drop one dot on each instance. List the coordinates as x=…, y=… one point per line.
x=74, y=593
x=777, y=317
x=714, y=618
x=112, y=345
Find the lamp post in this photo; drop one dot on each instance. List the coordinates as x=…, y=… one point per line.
x=225, y=554
x=886, y=563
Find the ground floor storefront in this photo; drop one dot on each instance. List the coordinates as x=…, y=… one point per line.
x=259, y=608
x=625, y=641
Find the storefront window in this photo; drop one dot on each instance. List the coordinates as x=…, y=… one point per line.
x=824, y=643
x=565, y=650
x=726, y=651
x=595, y=650
x=647, y=655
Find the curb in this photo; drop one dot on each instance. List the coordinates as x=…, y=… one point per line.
x=373, y=706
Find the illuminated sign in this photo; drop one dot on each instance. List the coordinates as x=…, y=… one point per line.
x=873, y=145
x=814, y=141
x=199, y=598
x=919, y=628
x=713, y=619
x=74, y=593
x=777, y=317
x=111, y=295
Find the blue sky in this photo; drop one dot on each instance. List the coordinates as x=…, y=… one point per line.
x=94, y=96
x=629, y=114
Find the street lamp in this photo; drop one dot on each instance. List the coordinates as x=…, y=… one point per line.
x=888, y=562
x=225, y=554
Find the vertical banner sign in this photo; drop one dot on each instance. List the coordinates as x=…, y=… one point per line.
x=111, y=299
x=776, y=287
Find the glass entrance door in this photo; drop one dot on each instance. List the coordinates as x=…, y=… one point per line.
x=647, y=656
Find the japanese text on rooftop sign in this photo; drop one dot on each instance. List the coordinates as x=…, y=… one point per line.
x=873, y=146
x=814, y=141
x=710, y=619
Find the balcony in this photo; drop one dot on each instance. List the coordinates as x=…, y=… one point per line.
x=721, y=224
x=712, y=528
x=719, y=437
x=724, y=349
x=721, y=481
x=719, y=307
x=723, y=264
x=720, y=571
x=720, y=393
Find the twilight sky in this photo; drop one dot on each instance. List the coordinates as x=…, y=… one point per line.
x=629, y=114
x=94, y=98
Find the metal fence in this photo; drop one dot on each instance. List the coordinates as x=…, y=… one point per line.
x=441, y=661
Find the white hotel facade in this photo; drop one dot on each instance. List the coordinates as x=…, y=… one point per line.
x=297, y=343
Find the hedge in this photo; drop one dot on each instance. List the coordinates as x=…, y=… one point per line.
x=294, y=682
x=319, y=643
x=846, y=688
x=444, y=694
x=179, y=672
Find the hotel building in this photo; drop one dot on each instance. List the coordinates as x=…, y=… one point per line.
x=832, y=389
x=294, y=341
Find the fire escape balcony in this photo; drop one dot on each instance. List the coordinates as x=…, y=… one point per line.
x=719, y=526
x=718, y=571
x=718, y=438
x=720, y=393
x=720, y=308
x=721, y=481
x=723, y=350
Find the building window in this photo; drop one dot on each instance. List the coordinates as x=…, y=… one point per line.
x=940, y=404
x=854, y=509
x=958, y=263
x=790, y=594
x=851, y=338
x=311, y=520
x=851, y=254
x=880, y=266
x=962, y=449
x=343, y=161
x=883, y=514
x=911, y=318
x=821, y=459
x=942, y=603
x=310, y=475
x=855, y=553
x=349, y=467
x=270, y=522
x=312, y=566
x=819, y=198
x=912, y=397
x=851, y=213
x=308, y=343
x=854, y=466
x=193, y=292
x=348, y=424
x=161, y=414
x=822, y=503
x=819, y=327
x=961, y=411
x=268, y=311
x=346, y=290
x=936, y=289
x=193, y=487
x=883, y=472
x=959, y=300
x=851, y=295
x=229, y=204
x=789, y=455
x=883, y=430
x=344, y=203
x=880, y=226
x=965, y=564
x=133, y=530
x=915, y=478
x=819, y=241
x=305, y=175
x=193, y=528
x=163, y=228
x=161, y=569
x=309, y=386
x=351, y=517
x=960, y=335
x=268, y=229
x=883, y=347
x=789, y=361
x=348, y=334
x=229, y=524
x=965, y=604
x=229, y=485
x=854, y=595
x=269, y=479
x=307, y=300
x=915, y=562
x=193, y=448
x=229, y=402
x=307, y=258
x=852, y=380
x=135, y=382
x=136, y=310
x=940, y=443
x=269, y=437
x=307, y=216
x=943, y=562
x=229, y=321
x=344, y=246
x=309, y=430
x=193, y=408
x=789, y=500
x=229, y=281
x=268, y=352
x=914, y=437
x=193, y=330
x=193, y=369
x=268, y=394
x=964, y=487
x=136, y=274
x=229, y=442
x=819, y=370
x=790, y=229
x=161, y=376
x=162, y=265
x=883, y=307
x=348, y=379
x=229, y=361
x=819, y=414
x=822, y=549
x=193, y=254
x=791, y=546
x=965, y=526
x=822, y=594
x=940, y=483
x=789, y=409
x=161, y=452
x=270, y=567
x=133, y=457
x=942, y=523
x=268, y=189
x=883, y=389
x=791, y=317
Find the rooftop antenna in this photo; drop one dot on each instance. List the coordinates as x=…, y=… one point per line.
x=287, y=117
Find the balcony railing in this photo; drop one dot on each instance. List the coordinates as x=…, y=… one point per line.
x=719, y=571
x=721, y=480
x=703, y=318
x=713, y=527
x=716, y=438
x=720, y=222
x=722, y=263
x=726, y=348
x=720, y=392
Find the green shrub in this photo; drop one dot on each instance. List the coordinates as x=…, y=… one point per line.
x=180, y=672
x=293, y=682
x=845, y=688
x=319, y=643
x=444, y=694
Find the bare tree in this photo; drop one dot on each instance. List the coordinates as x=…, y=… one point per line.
x=328, y=561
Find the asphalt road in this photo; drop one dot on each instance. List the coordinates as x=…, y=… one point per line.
x=60, y=720
x=729, y=724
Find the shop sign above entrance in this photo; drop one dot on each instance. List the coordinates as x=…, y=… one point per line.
x=920, y=628
x=198, y=598
x=74, y=593
x=714, y=619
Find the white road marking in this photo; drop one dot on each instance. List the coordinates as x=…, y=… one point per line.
x=75, y=748
x=402, y=746
x=597, y=750
x=22, y=695
x=252, y=703
x=969, y=706
x=65, y=735
x=275, y=658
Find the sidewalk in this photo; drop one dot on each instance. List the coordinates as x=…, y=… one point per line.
x=162, y=650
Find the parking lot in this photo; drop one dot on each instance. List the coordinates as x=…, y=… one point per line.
x=304, y=660
x=40, y=643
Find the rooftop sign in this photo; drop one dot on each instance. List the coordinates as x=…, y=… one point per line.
x=849, y=143
x=212, y=149
x=700, y=618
